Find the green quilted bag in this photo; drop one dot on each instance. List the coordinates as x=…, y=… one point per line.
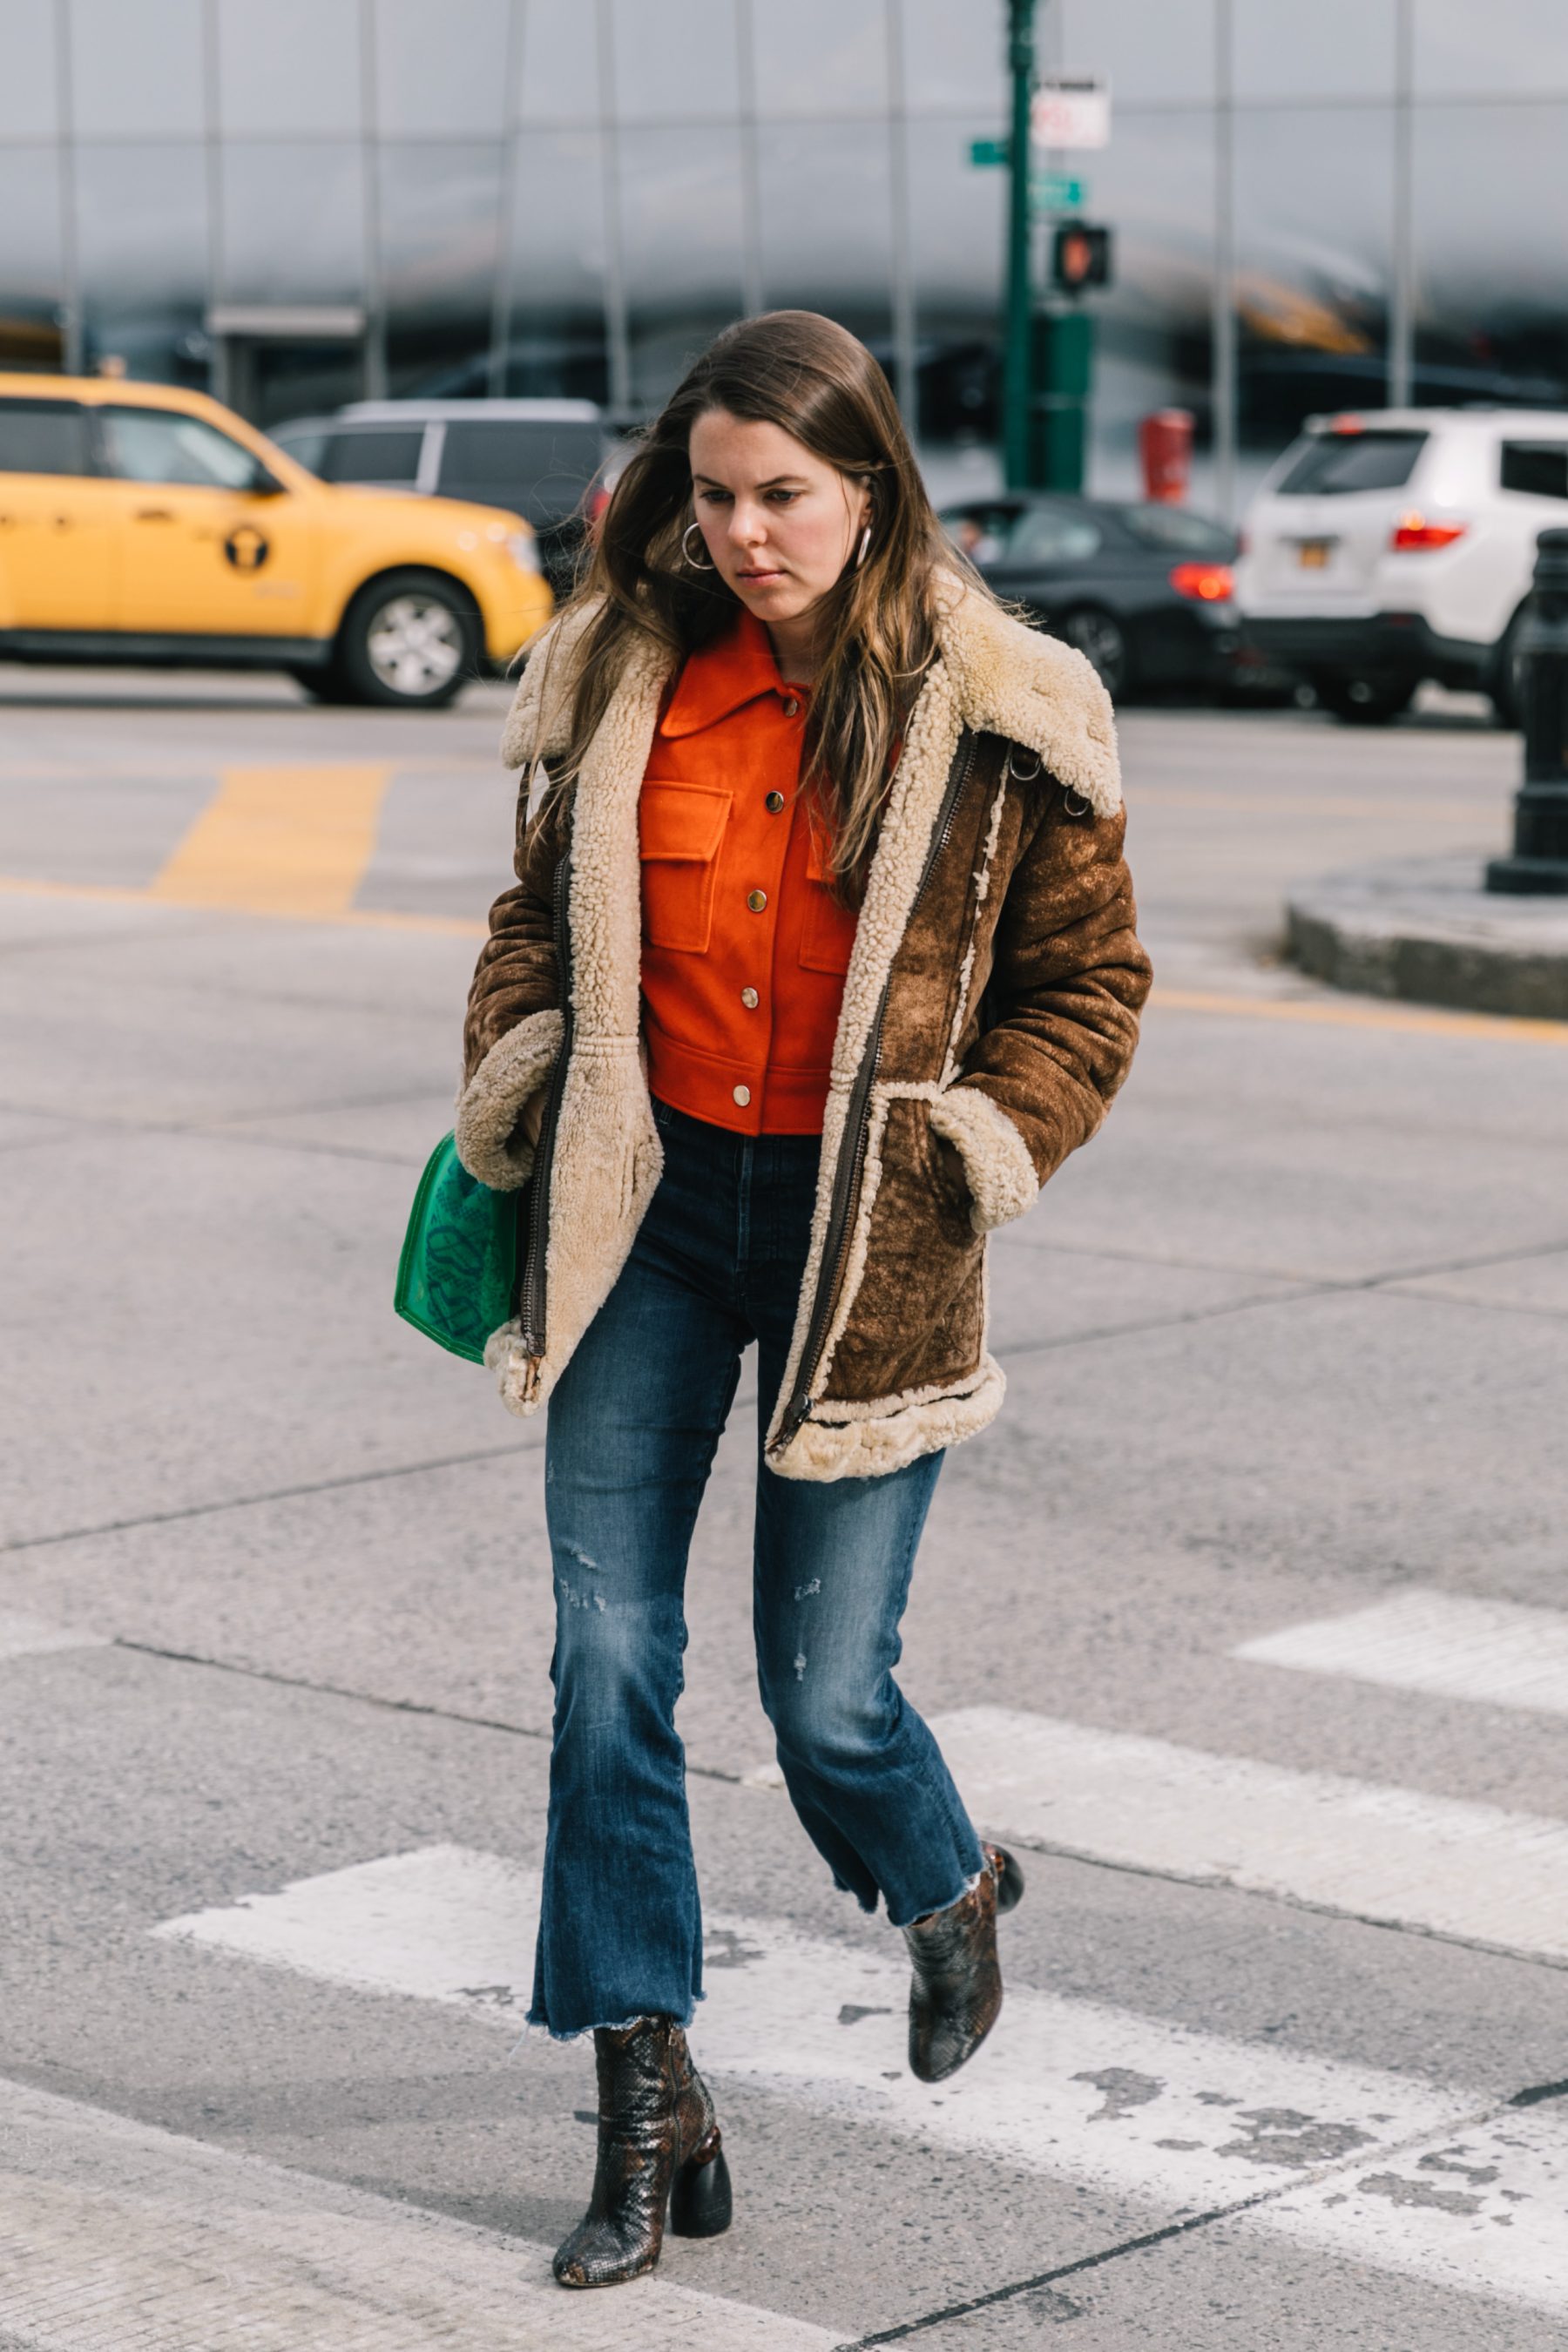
x=456, y=1278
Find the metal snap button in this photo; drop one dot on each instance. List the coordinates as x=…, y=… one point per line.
x=749, y=998
x=756, y=900
x=791, y=705
x=742, y=1096
x=773, y=802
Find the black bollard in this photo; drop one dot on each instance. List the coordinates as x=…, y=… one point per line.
x=1540, y=860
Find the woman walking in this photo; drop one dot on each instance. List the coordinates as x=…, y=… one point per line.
x=820, y=962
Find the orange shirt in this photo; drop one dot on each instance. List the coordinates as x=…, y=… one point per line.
x=744, y=947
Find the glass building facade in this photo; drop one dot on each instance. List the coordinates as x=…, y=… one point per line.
x=295, y=202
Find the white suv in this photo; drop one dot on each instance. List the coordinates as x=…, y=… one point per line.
x=1394, y=546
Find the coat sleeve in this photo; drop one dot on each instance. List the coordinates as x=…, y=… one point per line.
x=1067, y=980
x=513, y=1030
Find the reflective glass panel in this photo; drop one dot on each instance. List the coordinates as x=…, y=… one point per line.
x=151, y=445
x=141, y=227
x=1314, y=210
x=1538, y=469
x=439, y=206
x=43, y=436
x=820, y=58
x=136, y=68
x=1156, y=184
x=1464, y=49
x=681, y=237
x=954, y=61
x=1491, y=198
x=1161, y=53
x=31, y=270
x=665, y=74
x=1338, y=464
x=827, y=222
x=445, y=74
x=559, y=80
x=1335, y=48
x=555, y=331
x=1052, y=535
x=1174, y=530
x=27, y=96
x=288, y=67
x=293, y=221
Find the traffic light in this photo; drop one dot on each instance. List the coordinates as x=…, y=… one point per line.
x=1080, y=256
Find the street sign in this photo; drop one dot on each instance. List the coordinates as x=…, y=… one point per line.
x=1071, y=110
x=1053, y=192
x=989, y=151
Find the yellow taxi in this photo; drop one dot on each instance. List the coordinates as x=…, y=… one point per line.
x=142, y=523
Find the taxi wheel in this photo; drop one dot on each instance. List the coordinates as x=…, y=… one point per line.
x=410, y=641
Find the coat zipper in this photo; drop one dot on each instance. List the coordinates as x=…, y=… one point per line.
x=851, y=1161
x=530, y=1299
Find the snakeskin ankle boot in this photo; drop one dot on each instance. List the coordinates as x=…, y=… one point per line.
x=956, y=1995
x=659, y=2148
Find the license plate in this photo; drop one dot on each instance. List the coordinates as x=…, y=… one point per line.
x=1314, y=553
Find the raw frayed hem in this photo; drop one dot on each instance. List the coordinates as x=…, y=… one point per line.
x=936, y=1910
x=532, y=2026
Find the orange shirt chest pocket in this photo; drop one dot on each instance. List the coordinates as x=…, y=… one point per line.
x=827, y=930
x=680, y=828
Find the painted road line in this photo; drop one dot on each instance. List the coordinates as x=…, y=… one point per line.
x=364, y=919
x=1186, y=2121
x=1499, y=1652
x=22, y=1636
x=1364, y=1848
x=113, y=2234
x=290, y=840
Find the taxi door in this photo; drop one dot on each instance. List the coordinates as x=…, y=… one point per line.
x=204, y=550
x=56, y=535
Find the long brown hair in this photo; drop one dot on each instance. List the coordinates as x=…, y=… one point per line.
x=819, y=383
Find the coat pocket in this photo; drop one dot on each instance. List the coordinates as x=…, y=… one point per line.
x=680, y=828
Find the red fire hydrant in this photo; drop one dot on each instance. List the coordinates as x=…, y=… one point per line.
x=1166, y=447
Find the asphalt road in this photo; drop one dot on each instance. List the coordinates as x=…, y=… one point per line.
x=1246, y=1621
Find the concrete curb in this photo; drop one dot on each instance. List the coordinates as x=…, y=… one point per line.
x=1425, y=929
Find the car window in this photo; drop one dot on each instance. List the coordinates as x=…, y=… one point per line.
x=537, y=470
x=1052, y=535
x=1540, y=468
x=979, y=531
x=373, y=454
x=159, y=445
x=1331, y=463
x=304, y=442
x=1174, y=532
x=43, y=436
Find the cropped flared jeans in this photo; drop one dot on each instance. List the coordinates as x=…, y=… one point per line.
x=633, y=1426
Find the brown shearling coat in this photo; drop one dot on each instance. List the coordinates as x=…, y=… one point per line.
x=991, y=1002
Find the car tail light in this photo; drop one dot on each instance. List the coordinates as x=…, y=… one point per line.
x=1211, y=583
x=1413, y=531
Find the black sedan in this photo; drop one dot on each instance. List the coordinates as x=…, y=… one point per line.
x=1145, y=590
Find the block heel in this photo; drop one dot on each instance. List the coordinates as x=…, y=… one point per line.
x=700, y=2204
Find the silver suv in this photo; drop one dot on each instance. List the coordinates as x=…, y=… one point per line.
x=537, y=458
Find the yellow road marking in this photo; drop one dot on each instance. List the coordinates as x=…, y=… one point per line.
x=1416, y=1018
x=280, y=841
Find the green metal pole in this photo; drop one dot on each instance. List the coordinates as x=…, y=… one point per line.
x=1017, y=378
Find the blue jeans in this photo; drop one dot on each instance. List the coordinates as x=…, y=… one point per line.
x=632, y=1425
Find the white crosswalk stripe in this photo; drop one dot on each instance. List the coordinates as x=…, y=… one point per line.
x=1496, y=1651
x=1391, y=2171
x=114, y=2235
x=1362, y=1847
x=22, y=1636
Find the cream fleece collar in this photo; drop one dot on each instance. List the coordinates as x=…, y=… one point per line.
x=1004, y=678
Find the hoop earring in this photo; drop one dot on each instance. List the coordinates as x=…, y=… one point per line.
x=865, y=544
x=685, y=550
